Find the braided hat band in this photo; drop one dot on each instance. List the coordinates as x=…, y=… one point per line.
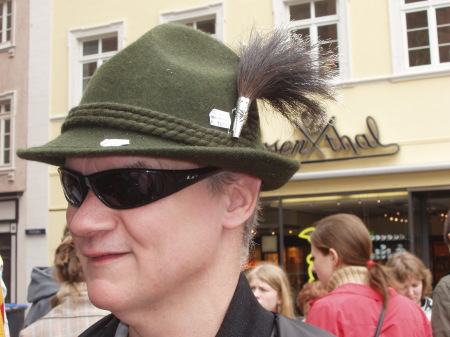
x=152, y=122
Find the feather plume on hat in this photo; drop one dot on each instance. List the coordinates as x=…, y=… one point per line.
x=288, y=73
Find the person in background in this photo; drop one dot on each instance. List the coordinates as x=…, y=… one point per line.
x=43, y=286
x=272, y=289
x=440, y=319
x=162, y=165
x=4, y=326
x=71, y=312
x=413, y=278
x=309, y=292
x=360, y=301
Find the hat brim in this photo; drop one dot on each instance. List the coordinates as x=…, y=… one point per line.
x=273, y=169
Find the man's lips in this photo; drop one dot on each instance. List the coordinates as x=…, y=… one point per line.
x=104, y=257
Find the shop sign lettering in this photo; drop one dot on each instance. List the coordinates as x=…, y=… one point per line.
x=328, y=145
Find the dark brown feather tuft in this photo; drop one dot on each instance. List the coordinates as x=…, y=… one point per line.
x=288, y=73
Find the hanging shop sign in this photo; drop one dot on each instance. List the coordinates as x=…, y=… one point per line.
x=328, y=145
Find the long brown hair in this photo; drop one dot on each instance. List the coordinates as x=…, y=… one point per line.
x=67, y=269
x=67, y=265
x=349, y=237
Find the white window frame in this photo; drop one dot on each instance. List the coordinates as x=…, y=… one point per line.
x=9, y=43
x=282, y=19
x=8, y=96
x=75, y=39
x=399, y=42
x=209, y=11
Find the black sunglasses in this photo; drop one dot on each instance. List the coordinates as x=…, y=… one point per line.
x=129, y=187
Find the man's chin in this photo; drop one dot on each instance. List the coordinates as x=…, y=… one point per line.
x=102, y=296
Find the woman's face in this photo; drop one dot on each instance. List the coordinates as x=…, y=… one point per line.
x=267, y=296
x=323, y=265
x=412, y=288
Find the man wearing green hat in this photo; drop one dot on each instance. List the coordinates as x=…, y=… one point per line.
x=163, y=192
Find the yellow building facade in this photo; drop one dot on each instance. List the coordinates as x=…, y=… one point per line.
x=384, y=152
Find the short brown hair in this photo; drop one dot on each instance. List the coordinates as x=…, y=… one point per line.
x=405, y=265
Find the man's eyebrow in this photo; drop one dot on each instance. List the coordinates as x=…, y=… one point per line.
x=138, y=164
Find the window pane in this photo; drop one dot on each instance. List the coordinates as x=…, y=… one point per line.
x=207, y=26
x=330, y=48
x=443, y=16
x=6, y=141
x=416, y=20
x=443, y=22
x=444, y=35
x=418, y=38
x=327, y=32
x=109, y=44
x=303, y=33
x=411, y=1
x=7, y=155
x=419, y=57
x=300, y=12
x=85, y=83
x=90, y=47
x=324, y=8
x=8, y=22
x=89, y=69
x=8, y=16
x=7, y=107
x=444, y=54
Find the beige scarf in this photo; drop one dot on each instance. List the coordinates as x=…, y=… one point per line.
x=349, y=274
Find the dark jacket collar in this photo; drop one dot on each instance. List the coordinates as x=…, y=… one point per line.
x=245, y=316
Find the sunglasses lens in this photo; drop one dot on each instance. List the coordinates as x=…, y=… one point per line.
x=72, y=187
x=128, y=188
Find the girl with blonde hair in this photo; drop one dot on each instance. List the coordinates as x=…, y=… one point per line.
x=272, y=289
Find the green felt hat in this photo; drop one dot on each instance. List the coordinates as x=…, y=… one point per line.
x=155, y=97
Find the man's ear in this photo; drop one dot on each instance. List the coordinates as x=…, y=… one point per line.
x=242, y=197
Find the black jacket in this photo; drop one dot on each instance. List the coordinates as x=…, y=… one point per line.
x=245, y=318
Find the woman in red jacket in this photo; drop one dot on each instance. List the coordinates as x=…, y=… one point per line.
x=360, y=298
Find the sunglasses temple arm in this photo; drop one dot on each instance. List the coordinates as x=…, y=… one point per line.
x=184, y=180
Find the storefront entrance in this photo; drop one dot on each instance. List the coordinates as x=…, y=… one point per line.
x=397, y=220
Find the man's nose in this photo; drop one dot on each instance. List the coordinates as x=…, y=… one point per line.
x=91, y=217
